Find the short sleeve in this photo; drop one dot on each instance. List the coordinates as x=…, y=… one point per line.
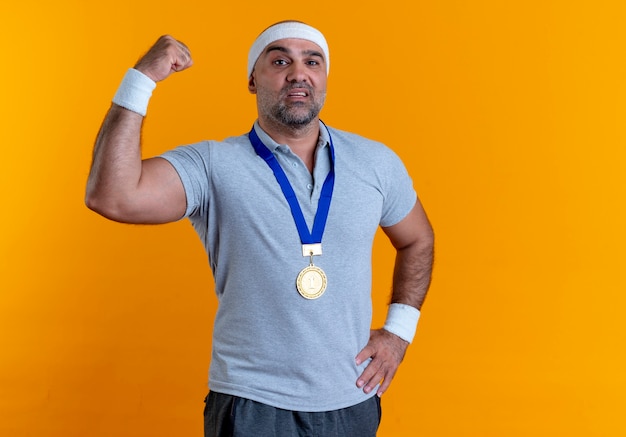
x=399, y=196
x=192, y=163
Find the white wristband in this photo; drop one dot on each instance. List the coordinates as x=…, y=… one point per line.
x=134, y=92
x=402, y=321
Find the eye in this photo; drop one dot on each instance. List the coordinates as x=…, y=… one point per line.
x=280, y=62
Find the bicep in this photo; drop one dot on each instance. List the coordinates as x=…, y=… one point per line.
x=412, y=229
x=160, y=195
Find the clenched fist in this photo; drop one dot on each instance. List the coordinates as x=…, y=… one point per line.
x=166, y=56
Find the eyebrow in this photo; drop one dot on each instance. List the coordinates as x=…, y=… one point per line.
x=288, y=51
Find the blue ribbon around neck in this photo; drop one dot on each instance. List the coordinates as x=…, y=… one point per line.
x=323, y=207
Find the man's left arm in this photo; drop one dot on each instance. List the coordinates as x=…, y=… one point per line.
x=413, y=240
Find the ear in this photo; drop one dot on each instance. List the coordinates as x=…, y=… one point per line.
x=252, y=84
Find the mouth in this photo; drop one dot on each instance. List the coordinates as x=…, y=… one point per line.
x=298, y=91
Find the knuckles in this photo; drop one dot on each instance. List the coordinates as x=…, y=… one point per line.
x=166, y=55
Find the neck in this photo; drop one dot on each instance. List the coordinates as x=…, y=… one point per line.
x=302, y=140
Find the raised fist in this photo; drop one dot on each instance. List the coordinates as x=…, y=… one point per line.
x=166, y=56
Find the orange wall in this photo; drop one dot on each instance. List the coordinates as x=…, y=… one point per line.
x=510, y=117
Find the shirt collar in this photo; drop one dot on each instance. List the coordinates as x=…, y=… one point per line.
x=322, y=141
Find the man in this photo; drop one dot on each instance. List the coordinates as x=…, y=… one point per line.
x=292, y=350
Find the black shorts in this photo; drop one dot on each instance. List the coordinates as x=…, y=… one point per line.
x=232, y=416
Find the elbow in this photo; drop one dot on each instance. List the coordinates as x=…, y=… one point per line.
x=424, y=243
x=94, y=203
x=105, y=206
x=91, y=200
x=428, y=238
x=99, y=207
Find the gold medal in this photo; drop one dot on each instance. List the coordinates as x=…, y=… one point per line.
x=311, y=282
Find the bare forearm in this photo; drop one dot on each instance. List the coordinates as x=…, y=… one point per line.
x=122, y=186
x=116, y=166
x=412, y=273
x=413, y=240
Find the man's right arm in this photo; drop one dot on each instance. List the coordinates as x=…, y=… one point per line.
x=122, y=186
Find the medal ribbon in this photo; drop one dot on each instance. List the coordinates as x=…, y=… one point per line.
x=323, y=206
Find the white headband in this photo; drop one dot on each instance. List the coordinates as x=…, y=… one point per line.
x=289, y=29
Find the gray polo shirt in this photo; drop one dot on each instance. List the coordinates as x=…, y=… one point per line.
x=270, y=344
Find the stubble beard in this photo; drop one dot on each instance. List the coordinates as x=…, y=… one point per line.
x=291, y=115
x=296, y=115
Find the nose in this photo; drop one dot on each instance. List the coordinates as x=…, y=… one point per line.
x=297, y=73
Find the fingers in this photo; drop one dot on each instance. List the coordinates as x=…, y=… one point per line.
x=378, y=371
x=365, y=354
x=386, y=352
x=373, y=374
x=166, y=56
x=183, y=60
